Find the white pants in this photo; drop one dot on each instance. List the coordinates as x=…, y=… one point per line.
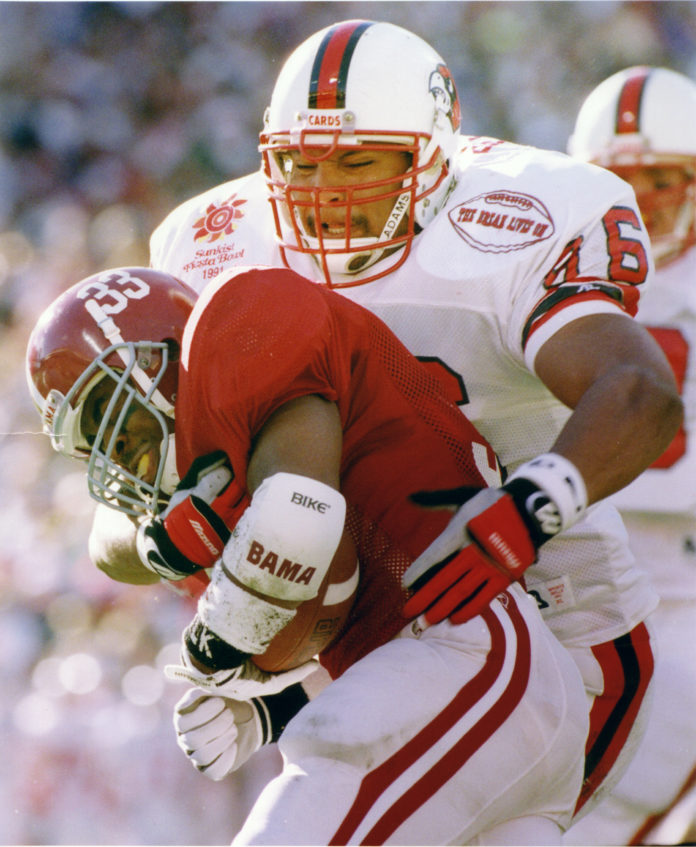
x=435, y=738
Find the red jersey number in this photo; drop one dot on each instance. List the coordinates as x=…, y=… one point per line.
x=452, y=384
x=676, y=348
x=628, y=261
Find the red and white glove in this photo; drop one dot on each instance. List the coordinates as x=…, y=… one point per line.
x=492, y=539
x=192, y=531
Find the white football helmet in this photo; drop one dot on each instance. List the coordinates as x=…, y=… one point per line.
x=645, y=117
x=378, y=87
x=126, y=324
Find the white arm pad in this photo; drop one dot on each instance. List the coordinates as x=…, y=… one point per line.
x=243, y=620
x=284, y=543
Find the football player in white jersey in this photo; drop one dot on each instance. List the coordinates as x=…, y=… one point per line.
x=641, y=124
x=515, y=273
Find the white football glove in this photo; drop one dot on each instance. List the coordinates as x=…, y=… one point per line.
x=218, y=735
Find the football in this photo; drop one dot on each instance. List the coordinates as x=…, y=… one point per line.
x=318, y=621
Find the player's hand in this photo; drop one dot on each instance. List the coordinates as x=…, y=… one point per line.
x=492, y=539
x=192, y=531
x=217, y=734
x=485, y=548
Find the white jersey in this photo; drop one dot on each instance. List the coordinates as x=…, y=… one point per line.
x=660, y=506
x=529, y=240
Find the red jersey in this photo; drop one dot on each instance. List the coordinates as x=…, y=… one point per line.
x=257, y=340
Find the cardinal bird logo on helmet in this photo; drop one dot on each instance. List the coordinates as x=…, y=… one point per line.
x=441, y=86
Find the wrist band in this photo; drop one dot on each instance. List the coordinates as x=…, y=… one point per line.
x=561, y=481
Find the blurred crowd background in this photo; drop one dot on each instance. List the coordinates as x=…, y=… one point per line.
x=111, y=114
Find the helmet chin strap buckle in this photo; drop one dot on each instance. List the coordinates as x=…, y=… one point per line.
x=362, y=261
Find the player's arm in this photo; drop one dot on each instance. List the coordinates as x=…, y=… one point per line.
x=304, y=437
x=218, y=734
x=626, y=409
x=625, y=401
x=296, y=515
x=112, y=548
x=186, y=537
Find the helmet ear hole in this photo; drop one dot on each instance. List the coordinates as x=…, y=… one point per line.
x=173, y=349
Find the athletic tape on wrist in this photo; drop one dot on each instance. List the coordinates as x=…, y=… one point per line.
x=561, y=481
x=239, y=618
x=281, y=708
x=284, y=543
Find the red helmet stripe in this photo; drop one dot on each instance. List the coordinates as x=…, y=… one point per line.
x=628, y=107
x=327, y=86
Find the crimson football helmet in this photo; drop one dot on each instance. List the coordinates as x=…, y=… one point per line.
x=644, y=118
x=367, y=86
x=127, y=324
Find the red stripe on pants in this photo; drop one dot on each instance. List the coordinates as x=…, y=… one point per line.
x=627, y=667
x=379, y=780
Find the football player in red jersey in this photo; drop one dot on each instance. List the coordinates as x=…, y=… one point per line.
x=311, y=422
x=640, y=123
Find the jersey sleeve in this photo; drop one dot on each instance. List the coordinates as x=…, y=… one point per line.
x=250, y=347
x=600, y=264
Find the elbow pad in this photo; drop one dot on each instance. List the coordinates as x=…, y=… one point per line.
x=278, y=556
x=284, y=543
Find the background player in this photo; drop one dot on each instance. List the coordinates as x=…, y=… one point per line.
x=513, y=272
x=641, y=124
x=304, y=391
